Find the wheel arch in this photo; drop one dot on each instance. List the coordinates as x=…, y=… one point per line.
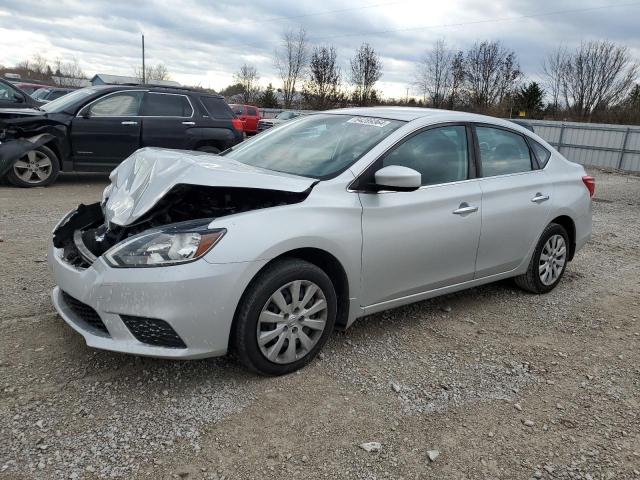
x=569, y=225
x=322, y=259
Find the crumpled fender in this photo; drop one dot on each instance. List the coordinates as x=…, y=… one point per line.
x=14, y=149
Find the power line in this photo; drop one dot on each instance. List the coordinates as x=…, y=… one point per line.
x=325, y=12
x=478, y=22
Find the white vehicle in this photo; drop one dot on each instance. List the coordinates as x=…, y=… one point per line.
x=267, y=247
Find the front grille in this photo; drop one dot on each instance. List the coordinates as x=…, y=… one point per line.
x=153, y=331
x=85, y=313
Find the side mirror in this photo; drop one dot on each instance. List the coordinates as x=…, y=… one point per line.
x=397, y=178
x=86, y=113
x=18, y=98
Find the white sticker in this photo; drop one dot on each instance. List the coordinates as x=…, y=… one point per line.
x=370, y=121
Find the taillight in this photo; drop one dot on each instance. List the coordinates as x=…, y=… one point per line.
x=590, y=183
x=237, y=124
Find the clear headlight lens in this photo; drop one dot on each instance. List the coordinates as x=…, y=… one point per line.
x=159, y=248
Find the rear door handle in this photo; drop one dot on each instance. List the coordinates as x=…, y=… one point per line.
x=465, y=209
x=128, y=123
x=539, y=198
x=188, y=123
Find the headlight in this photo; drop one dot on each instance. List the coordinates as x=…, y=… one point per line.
x=180, y=243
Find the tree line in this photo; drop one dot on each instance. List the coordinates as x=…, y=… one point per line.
x=596, y=81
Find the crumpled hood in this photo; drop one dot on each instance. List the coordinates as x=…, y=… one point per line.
x=149, y=173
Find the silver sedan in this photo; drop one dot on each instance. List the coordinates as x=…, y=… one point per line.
x=269, y=246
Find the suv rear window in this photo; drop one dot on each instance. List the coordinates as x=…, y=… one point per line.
x=166, y=105
x=217, y=107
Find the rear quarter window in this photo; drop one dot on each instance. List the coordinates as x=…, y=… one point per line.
x=252, y=112
x=216, y=107
x=542, y=154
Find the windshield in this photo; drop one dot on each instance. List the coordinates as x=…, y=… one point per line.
x=285, y=115
x=66, y=101
x=318, y=146
x=40, y=93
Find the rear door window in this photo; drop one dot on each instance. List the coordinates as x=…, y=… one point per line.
x=217, y=107
x=166, y=105
x=237, y=109
x=252, y=112
x=502, y=152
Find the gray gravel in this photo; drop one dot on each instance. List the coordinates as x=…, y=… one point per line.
x=488, y=383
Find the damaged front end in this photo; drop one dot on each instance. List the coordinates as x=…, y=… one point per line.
x=18, y=136
x=151, y=216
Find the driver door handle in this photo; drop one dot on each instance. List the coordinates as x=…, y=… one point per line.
x=465, y=209
x=539, y=198
x=128, y=123
x=188, y=123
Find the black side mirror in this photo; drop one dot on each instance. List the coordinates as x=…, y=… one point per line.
x=18, y=98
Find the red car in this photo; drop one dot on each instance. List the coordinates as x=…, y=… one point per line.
x=250, y=116
x=29, y=87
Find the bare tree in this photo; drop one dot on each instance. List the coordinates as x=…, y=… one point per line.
x=290, y=60
x=366, y=70
x=457, y=79
x=248, y=77
x=69, y=73
x=434, y=74
x=152, y=72
x=322, y=88
x=553, y=67
x=492, y=73
x=35, y=69
x=597, y=75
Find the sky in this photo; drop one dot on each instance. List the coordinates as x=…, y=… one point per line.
x=205, y=42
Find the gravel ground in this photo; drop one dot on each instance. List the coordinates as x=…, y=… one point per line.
x=487, y=383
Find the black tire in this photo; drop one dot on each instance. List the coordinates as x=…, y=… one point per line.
x=273, y=278
x=531, y=281
x=208, y=149
x=15, y=180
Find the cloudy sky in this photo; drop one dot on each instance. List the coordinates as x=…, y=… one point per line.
x=205, y=42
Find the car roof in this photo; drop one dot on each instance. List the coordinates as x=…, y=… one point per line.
x=408, y=114
x=151, y=87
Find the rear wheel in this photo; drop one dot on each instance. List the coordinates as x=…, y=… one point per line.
x=208, y=149
x=548, y=262
x=285, y=317
x=38, y=168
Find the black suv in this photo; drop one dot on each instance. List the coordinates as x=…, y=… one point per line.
x=12, y=97
x=95, y=128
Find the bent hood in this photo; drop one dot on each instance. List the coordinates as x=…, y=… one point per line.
x=139, y=182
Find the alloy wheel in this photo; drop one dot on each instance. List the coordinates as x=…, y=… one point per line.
x=292, y=321
x=35, y=167
x=552, y=259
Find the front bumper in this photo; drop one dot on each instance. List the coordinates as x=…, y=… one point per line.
x=197, y=300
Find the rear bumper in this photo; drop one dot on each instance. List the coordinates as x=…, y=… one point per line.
x=197, y=300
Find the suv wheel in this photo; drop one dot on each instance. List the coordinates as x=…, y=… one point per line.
x=38, y=168
x=548, y=262
x=208, y=149
x=285, y=317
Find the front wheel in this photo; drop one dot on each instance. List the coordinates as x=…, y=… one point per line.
x=548, y=262
x=37, y=168
x=285, y=317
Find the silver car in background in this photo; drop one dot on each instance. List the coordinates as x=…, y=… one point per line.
x=279, y=119
x=267, y=247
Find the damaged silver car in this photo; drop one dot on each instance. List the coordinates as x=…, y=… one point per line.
x=269, y=246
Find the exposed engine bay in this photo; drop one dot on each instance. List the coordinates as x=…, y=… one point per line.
x=84, y=234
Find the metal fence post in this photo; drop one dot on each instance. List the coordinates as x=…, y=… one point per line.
x=561, y=136
x=624, y=147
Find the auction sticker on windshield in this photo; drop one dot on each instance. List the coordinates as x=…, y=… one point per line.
x=372, y=122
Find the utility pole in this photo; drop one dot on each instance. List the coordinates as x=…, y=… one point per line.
x=143, y=69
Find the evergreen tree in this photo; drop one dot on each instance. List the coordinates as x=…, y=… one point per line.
x=268, y=98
